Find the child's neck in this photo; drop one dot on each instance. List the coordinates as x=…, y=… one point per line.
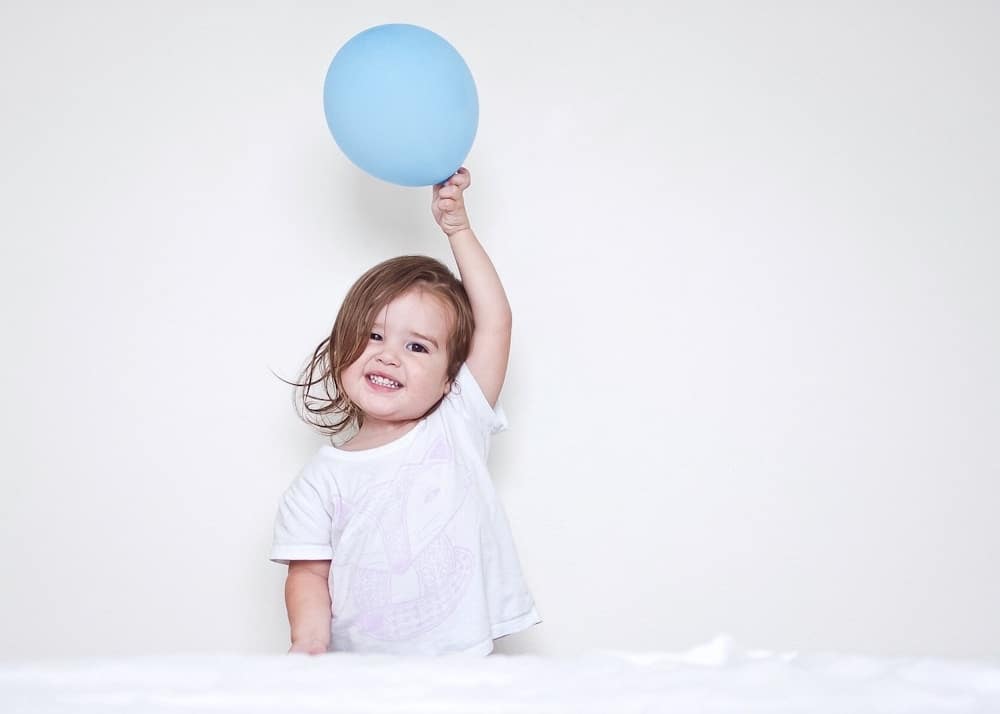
x=376, y=433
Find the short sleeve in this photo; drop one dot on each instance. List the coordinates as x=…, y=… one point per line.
x=469, y=398
x=304, y=525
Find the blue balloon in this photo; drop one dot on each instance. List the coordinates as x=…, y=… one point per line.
x=401, y=104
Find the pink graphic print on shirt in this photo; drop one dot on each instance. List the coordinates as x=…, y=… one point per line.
x=425, y=497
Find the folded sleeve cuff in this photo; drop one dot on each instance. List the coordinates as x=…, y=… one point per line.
x=284, y=553
x=493, y=419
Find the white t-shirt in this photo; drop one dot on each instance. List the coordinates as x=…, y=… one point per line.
x=423, y=561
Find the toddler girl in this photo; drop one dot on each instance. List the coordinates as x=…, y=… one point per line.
x=394, y=539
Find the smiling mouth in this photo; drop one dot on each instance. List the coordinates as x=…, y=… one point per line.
x=380, y=381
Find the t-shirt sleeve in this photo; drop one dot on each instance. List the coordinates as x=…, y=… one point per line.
x=468, y=398
x=303, y=528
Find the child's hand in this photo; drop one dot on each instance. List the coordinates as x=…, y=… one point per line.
x=448, y=205
x=310, y=647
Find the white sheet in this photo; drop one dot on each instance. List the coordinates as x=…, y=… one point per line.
x=716, y=677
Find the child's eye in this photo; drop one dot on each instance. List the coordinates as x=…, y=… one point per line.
x=375, y=336
x=416, y=347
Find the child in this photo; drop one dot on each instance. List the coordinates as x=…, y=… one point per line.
x=394, y=540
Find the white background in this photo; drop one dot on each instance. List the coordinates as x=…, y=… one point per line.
x=752, y=253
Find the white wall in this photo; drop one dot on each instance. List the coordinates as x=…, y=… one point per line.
x=752, y=251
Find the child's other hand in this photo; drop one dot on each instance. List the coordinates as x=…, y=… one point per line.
x=448, y=204
x=310, y=647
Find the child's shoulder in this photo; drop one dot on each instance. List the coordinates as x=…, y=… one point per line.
x=322, y=464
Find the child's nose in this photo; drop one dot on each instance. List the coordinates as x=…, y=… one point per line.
x=387, y=356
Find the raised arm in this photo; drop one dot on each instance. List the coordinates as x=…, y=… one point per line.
x=490, y=348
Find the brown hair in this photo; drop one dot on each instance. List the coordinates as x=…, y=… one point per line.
x=332, y=411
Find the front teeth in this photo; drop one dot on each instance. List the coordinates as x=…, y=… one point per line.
x=382, y=382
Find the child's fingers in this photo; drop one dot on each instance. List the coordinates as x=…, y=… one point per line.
x=461, y=178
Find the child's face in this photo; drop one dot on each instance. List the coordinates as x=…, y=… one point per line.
x=403, y=370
